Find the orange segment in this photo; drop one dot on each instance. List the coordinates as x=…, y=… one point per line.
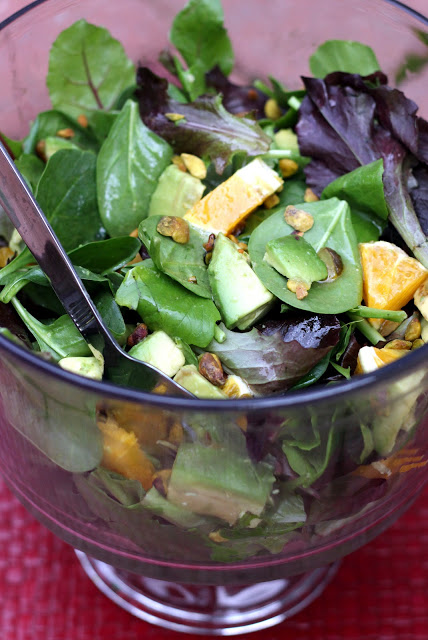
x=390, y=276
x=371, y=358
x=233, y=200
x=122, y=454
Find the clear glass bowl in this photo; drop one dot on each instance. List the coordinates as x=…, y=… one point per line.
x=188, y=576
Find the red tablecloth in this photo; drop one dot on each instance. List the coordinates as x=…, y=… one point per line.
x=379, y=593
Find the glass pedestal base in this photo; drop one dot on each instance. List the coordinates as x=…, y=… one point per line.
x=209, y=610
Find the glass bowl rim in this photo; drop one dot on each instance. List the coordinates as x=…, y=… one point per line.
x=289, y=400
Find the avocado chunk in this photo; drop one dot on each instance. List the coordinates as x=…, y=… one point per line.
x=238, y=293
x=218, y=481
x=295, y=259
x=176, y=193
x=159, y=350
x=190, y=378
x=178, y=515
x=87, y=366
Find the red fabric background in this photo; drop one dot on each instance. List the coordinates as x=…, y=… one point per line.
x=379, y=593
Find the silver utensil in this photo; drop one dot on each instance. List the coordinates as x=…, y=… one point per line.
x=35, y=230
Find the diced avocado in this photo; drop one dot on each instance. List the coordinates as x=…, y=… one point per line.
x=190, y=378
x=159, y=350
x=286, y=139
x=88, y=366
x=54, y=144
x=295, y=259
x=217, y=481
x=178, y=515
x=239, y=294
x=176, y=193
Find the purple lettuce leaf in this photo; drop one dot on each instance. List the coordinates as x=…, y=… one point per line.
x=236, y=98
x=347, y=121
x=274, y=355
x=419, y=196
x=207, y=129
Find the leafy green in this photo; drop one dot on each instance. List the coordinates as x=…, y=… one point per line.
x=343, y=55
x=105, y=256
x=276, y=355
x=53, y=417
x=207, y=129
x=364, y=192
x=31, y=167
x=111, y=314
x=413, y=62
x=67, y=195
x=88, y=70
x=179, y=261
x=61, y=338
x=48, y=123
x=333, y=229
x=164, y=304
x=12, y=146
x=310, y=465
x=128, y=167
x=200, y=37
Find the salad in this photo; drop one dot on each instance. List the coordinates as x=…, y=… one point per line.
x=247, y=241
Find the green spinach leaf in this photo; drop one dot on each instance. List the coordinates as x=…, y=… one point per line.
x=129, y=164
x=179, y=261
x=332, y=228
x=88, y=70
x=199, y=35
x=48, y=123
x=31, y=168
x=106, y=256
x=164, y=304
x=364, y=192
x=67, y=195
x=343, y=55
x=12, y=146
x=61, y=338
x=111, y=314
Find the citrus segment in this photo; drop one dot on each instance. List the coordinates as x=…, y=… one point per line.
x=122, y=454
x=370, y=358
x=390, y=276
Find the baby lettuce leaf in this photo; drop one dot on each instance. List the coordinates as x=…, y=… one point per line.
x=31, y=168
x=332, y=228
x=88, y=70
x=61, y=338
x=236, y=98
x=128, y=167
x=67, y=195
x=179, y=261
x=275, y=355
x=48, y=123
x=164, y=304
x=364, y=192
x=343, y=55
x=362, y=189
x=199, y=35
x=207, y=129
x=110, y=313
x=13, y=147
x=347, y=121
x=106, y=256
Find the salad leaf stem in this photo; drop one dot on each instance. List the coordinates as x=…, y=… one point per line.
x=366, y=328
x=385, y=314
x=294, y=103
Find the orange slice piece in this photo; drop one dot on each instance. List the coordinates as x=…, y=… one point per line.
x=122, y=453
x=390, y=276
x=371, y=358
